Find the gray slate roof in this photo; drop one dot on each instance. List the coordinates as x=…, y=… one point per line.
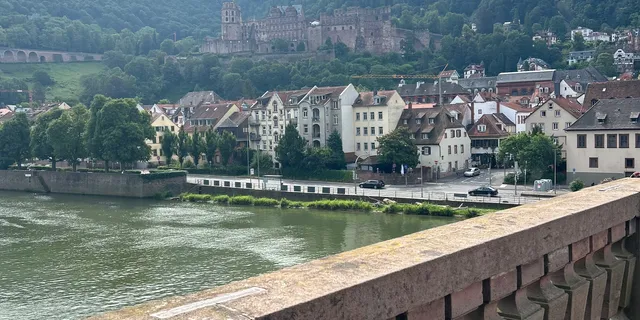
x=615, y=112
x=525, y=76
x=429, y=89
x=582, y=76
x=582, y=55
x=478, y=83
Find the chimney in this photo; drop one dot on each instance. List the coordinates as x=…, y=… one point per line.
x=410, y=105
x=473, y=114
x=375, y=93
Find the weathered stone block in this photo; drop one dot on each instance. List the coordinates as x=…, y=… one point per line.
x=552, y=299
x=580, y=249
x=531, y=272
x=621, y=252
x=500, y=286
x=576, y=287
x=518, y=306
x=599, y=240
x=615, y=273
x=431, y=311
x=465, y=301
x=557, y=259
x=618, y=232
x=597, y=279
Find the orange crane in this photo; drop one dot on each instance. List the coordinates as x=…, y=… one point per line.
x=21, y=91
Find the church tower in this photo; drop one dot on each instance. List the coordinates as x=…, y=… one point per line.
x=231, y=21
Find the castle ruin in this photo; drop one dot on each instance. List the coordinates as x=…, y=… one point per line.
x=361, y=29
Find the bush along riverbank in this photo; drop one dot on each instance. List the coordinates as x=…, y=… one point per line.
x=425, y=209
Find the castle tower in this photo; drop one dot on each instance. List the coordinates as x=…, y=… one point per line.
x=231, y=21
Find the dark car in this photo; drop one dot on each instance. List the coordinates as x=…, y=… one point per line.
x=484, y=191
x=373, y=184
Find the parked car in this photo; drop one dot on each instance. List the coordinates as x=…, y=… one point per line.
x=484, y=191
x=472, y=172
x=373, y=184
x=635, y=175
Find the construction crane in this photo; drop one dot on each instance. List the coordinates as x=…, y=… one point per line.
x=406, y=76
x=21, y=91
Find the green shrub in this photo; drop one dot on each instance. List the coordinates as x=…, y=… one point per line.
x=285, y=203
x=221, y=199
x=188, y=164
x=340, y=205
x=241, y=200
x=265, y=202
x=192, y=197
x=471, y=213
x=576, y=185
x=510, y=179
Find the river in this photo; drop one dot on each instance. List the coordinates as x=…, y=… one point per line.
x=67, y=257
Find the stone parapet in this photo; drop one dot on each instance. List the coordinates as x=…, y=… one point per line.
x=570, y=257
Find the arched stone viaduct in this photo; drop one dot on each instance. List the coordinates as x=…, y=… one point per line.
x=9, y=55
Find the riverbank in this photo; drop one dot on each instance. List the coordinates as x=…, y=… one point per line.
x=424, y=209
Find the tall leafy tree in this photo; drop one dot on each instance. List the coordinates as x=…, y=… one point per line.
x=41, y=147
x=533, y=150
x=211, y=140
x=290, y=149
x=226, y=146
x=67, y=135
x=184, y=143
x=14, y=140
x=197, y=147
x=336, y=159
x=169, y=144
x=398, y=148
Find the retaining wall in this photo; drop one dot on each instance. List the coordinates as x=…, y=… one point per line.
x=83, y=183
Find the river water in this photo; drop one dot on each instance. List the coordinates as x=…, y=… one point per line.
x=67, y=257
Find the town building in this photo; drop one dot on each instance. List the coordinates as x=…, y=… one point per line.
x=575, y=81
x=208, y=116
x=484, y=104
x=474, y=85
x=474, y=71
x=361, y=29
x=423, y=92
x=611, y=90
x=590, y=36
x=375, y=114
x=532, y=64
x=581, y=56
x=461, y=112
x=516, y=113
x=238, y=124
x=162, y=124
x=442, y=141
x=193, y=100
x=449, y=76
x=486, y=135
x=547, y=37
x=605, y=141
x=521, y=83
x=552, y=117
x=625, y=62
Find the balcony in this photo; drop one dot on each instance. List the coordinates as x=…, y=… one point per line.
x=255, y=137
x=569, y=257
x=315, y=119
x=254, y=122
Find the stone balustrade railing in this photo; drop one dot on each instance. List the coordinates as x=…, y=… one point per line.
x=571, y=257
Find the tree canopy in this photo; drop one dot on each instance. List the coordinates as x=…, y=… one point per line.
x=397, y=148
x=14, y=141
x=533, y=151
x=290, y=148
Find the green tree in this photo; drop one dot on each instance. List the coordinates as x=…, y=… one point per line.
x=557, y=25
x=232, y=84
x=164, y=101
x=336, y=159
x=121, y=131
x=197, y=147
x=315, y=159
x=605, y=64
x=168, y=46
x=184, y=143
x=578, y=42
x=341, y=50
x=533, y=151
x=67, y=135
x=301, y=47
x=43, y=78
x=41, y=147
x=211, y=140
x=280, y=45
x=226, y=145
x=261, y=161
x=93, y=143
x=14, y=140
x=168, y=145
x=398, y=148
x=39, y=92
x=290, y=148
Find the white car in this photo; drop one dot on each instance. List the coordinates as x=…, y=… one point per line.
x=472, y=172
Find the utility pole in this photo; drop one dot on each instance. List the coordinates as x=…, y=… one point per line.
x=555, y=171
x=249, y=147
x=421, y=181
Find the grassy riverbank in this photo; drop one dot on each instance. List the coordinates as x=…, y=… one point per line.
x=426, y=209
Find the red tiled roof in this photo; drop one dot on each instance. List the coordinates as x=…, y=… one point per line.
x=491, y=122
x=612, y=89
x=516, y=107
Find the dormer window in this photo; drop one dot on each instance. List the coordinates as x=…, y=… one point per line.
x=601, y=117
x=413, y=136
x=432, y=120
x=405, y=121
x=634, y=117
x=482, y=128
x=425, y=136
x=418, y=121
x=376, y=100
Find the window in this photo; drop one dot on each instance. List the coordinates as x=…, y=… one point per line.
x=482, y=128
x=358, y=116
x=458, y=133
x=305, y=113
x=425, y=136
x=358, y=146
x=582, y=141
x=373, y=131
x=593, y=162
x=173, y=128
x=366, y=146
x=449, y=148
x=543, y=113
x=541, y=126
x=479, y=111
x=567, y=125
x=405, y=121
x=380, y=115
x=629, y=163
x=599, y=140
x=557, y=113
x=380, y=131
x=461, y=148
x=155, y=152
x=418, y=121
x=445, y=135
x=453, y=133
x=335, y=119
x=455, y=149
x=637, y=140
x=357, y=131
x=364, y=116
x=432, y=120
x=426, y=151
x=624, y=141
x=372, y=116
x=612, y=141
x=373, y=145
x=365, y=131
x=306, y=129
x=555, y=126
